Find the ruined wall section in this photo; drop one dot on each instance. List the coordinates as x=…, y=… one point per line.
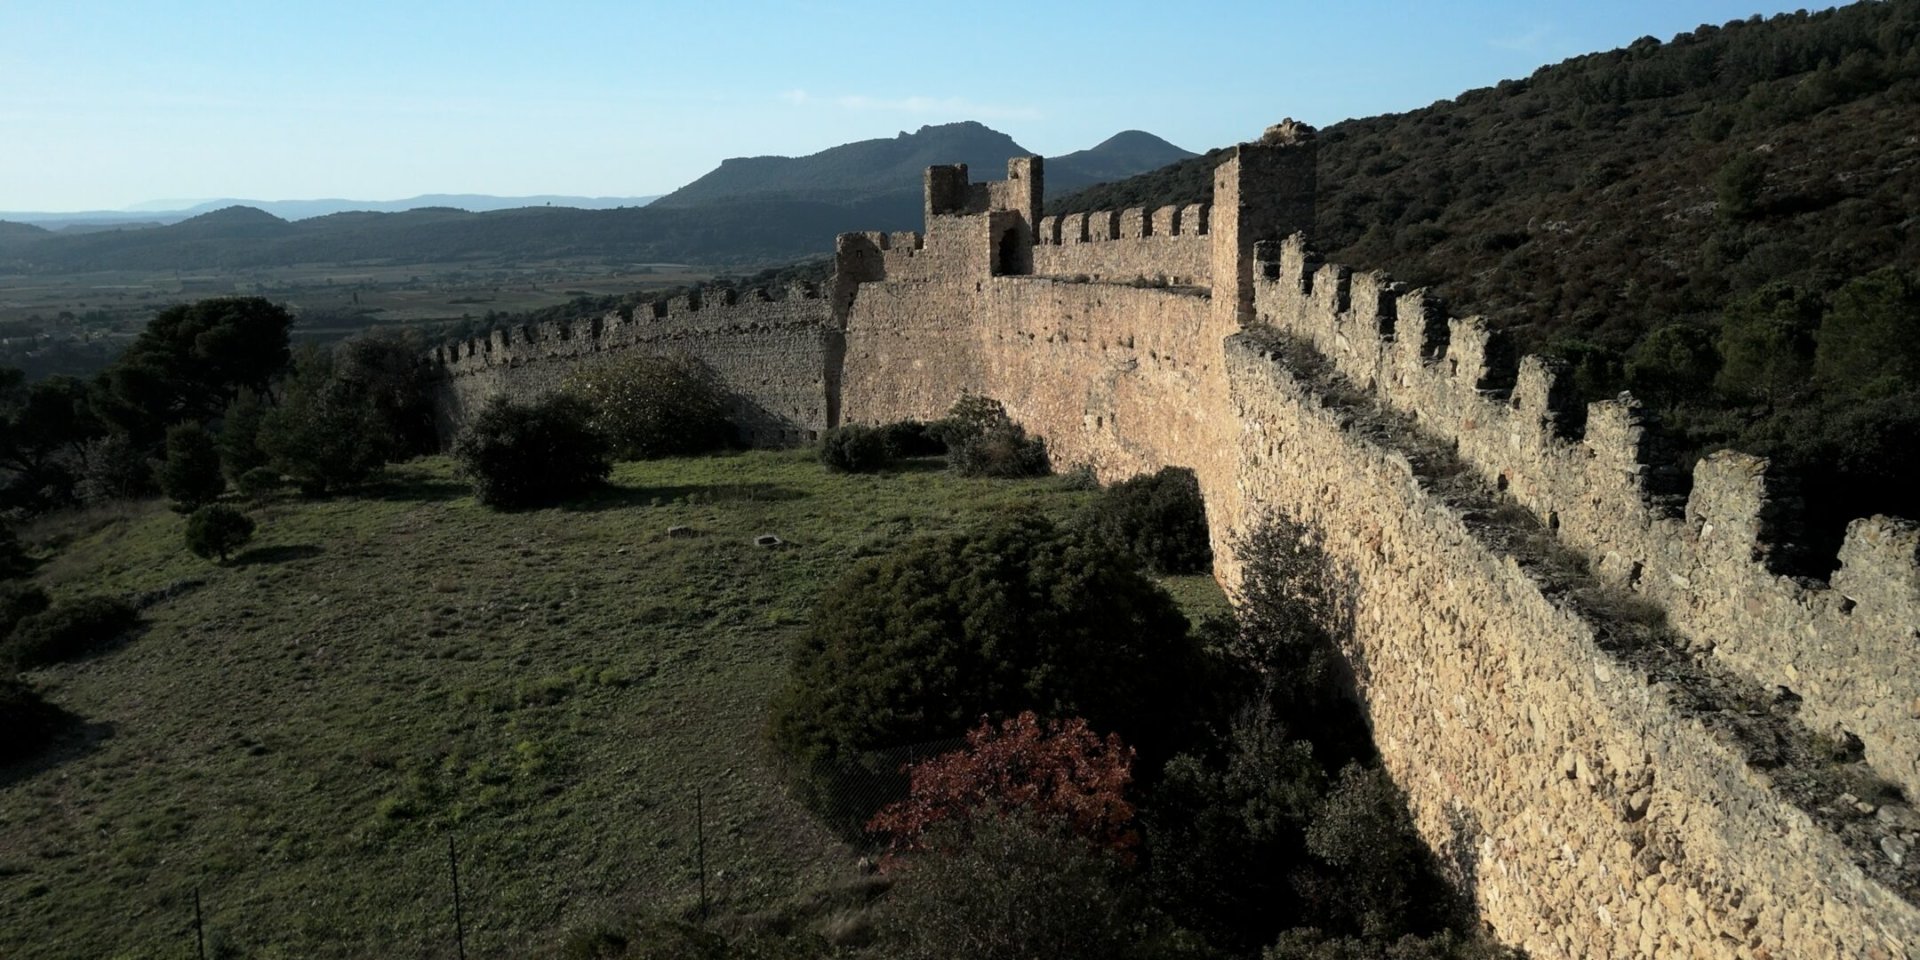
x=780, y=358
x=1167, y=246
x=1584, y=806
x=1848, y=648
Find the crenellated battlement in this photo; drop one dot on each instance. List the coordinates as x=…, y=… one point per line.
x=1169, y=244
x=1597, y=810
x=671, y=318
x=1707, y=550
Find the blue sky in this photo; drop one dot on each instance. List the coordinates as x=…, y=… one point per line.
x=104, y=105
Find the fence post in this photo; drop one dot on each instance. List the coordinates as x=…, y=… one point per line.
x=199, y=927
x=700, y=844
x=453, y=872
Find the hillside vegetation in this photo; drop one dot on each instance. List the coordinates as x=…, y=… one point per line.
x=1695, y=220
x=294, y=734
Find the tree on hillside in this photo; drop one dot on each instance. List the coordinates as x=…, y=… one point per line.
x=190, y=475
x=193, y=360
x=326, y=432
x=45, y=429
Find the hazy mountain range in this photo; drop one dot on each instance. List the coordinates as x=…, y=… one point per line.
x=748, y=210
x=159, y=212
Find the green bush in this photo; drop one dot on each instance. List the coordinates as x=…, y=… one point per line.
x=217, y=530
x=918, y=645
x=239, y=439
x=523, y=454
x=190, y=475
x=15, y=562
x=856, y=449
x=327, y=432
x=258, y=482
x=982, y=441
x=67, y=631
x=1014, y=887
x=1159, y=518
x=29, y=723
x=914, y=438
x=18, y=601
x=654, y=406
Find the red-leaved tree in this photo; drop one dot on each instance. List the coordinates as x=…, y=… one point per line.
x=1058, y=770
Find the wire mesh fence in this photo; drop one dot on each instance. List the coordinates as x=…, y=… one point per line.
x=689, y=849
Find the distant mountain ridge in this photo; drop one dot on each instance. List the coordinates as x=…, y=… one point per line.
x=161, y=211
x=868, y=170
x=750, y=210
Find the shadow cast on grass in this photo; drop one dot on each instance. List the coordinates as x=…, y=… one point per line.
x=266, y=555
x=74, y=738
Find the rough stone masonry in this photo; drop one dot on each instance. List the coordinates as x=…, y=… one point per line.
x=1610, y=715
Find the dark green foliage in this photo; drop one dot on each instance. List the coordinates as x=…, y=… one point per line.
x=1363, y=834
x=258, y=482
x=15, y=562
x=1012, y=888
x=18, y=601
x=1766, y=342
x=116, y=468
x=654, y=406
x=27, y=722
x=918, y=645
x=982, y=441
x=1226, y=833
x=1869, y=341
x=190, y=475
x=1293, y=604
x=1737, y=186
x=914, y=438
x=67, y=631
x=327, y=431
x=44, y=430
x=239, y=438
x=520, y=455
x=1255, y=832
x=1159, y=518
x=1672, y=363
x=192, y=361
x=217, y=530
x=856, y=449
x=387, y=372
x=1576, y=209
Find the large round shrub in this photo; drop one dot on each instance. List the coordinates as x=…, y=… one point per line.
x=1160, y=518
x=918, y=645
x=217, y=530
x=856, y=449
x=18, y=601
x=982, y=441
x=523, y=454
x=655, y=406
x=67, y=631
x=15, y=562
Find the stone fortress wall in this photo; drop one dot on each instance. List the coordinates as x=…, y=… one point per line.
x=778, y=352
x=1595, y=799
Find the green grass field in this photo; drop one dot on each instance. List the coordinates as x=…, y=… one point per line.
x=297, y=733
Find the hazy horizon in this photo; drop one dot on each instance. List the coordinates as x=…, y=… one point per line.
x=599, y=99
